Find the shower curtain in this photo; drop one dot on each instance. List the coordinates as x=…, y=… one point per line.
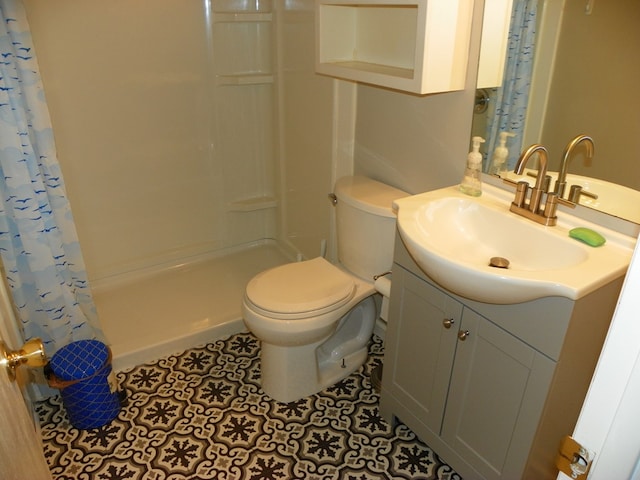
x=508, y=104
x=39, y=248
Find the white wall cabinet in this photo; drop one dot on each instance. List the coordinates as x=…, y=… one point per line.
x=419, y=46
x=491, y=388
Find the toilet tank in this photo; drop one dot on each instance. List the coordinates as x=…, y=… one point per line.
x=365, y=225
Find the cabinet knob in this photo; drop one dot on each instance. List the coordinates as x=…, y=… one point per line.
x=448, y=322
x=463, y=334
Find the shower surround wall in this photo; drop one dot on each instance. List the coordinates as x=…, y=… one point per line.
x=183, y=129
x=172, y=133
x=153, y=147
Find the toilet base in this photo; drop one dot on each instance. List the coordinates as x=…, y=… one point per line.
x=295, y=383
x=334, y=371
x=305, y=380
x=290, y=373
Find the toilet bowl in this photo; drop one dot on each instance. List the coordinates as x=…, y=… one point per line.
x=315, y=319
x=308, y=343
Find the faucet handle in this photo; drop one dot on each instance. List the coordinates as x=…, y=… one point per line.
x=551, y=205
x=522, y=187
x=510, y=182
x=566, y=203
x=576, y=191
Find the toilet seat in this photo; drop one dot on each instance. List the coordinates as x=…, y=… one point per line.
x=300, y=290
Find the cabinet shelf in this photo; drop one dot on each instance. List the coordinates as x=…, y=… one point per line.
x=233, y=17
x=366, y=68
x=371, y=73
x=245, y=79
x=253, y=204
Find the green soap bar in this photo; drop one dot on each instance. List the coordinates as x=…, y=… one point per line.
x=587, y=236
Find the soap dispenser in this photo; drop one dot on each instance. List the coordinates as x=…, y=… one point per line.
x=500, y=155
x=472, y=181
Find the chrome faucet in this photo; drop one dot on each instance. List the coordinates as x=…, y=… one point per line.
x=561, y=183
x=532, y=210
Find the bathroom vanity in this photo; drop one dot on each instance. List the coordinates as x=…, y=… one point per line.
x=492, y=389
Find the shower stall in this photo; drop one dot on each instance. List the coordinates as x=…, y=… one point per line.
x=197, y=146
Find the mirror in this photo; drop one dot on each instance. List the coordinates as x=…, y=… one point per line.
x=583, y=81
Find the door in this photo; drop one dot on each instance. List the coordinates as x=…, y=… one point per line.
x=21, y=453
x=498, y=389
x=420, y=347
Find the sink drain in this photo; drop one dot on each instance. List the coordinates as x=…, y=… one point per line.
x=499, y=262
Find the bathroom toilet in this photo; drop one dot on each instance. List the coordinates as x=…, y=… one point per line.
x=314, y=319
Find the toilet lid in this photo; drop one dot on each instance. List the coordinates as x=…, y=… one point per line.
x=301, y=287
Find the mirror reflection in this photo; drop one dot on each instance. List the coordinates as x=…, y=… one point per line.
x=572, y=68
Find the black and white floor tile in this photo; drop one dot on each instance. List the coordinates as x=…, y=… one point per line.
x=202, y=415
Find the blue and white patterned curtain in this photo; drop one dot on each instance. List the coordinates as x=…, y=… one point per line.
x=39, y=246
x=508, y=105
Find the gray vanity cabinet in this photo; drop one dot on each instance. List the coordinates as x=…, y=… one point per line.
x=495, y=396
x=422, y=348
x=482, y=384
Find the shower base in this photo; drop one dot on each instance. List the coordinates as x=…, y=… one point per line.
x=179, y=307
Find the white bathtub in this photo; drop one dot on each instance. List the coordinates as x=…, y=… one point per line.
x=163, y=312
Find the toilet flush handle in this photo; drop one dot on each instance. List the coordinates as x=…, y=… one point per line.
x=333, y=198
x=375, y=277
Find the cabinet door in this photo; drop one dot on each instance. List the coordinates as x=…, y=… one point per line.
x=498, y=389
x=419, y=348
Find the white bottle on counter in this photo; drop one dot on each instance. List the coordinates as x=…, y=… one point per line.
x=472, y=180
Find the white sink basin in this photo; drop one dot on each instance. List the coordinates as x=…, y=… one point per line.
x=453, y=237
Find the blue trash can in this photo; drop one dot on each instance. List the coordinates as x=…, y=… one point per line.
x=82, y=372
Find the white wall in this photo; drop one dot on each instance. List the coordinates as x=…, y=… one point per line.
x=307, y=111
x=592, y=90
x=413, y=143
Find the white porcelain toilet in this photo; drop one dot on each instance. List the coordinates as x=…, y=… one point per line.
x=314, y=319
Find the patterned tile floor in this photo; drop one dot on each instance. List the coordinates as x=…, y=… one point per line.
x=202, y=415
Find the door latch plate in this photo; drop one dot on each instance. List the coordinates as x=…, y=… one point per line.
x=573, y=459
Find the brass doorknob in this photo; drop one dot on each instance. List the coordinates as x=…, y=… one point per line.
x=31, y=354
